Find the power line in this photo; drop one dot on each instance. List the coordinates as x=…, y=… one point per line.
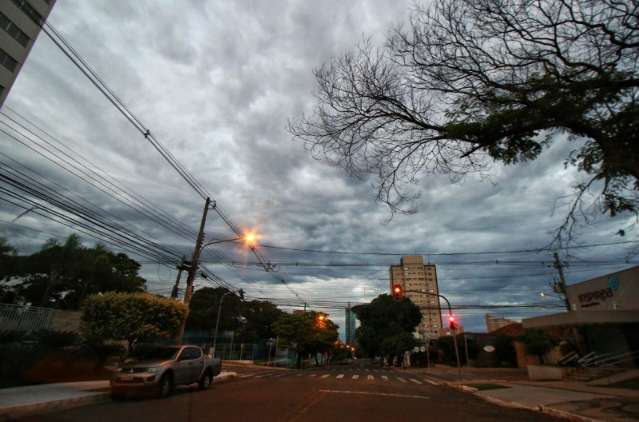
x=502, y=252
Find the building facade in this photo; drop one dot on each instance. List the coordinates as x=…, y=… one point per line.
x=20, y=22
x=349, y=334
x=494, y=323
x=413, y=274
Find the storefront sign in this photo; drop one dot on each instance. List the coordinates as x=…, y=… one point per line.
x=592, y=298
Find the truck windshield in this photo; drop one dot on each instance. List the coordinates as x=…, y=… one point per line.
x=155, y=353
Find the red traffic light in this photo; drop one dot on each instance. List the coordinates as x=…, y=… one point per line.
x=398, y=292
x=452, y=322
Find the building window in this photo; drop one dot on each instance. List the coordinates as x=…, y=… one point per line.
x=7, y=61
x=29, y=11
x=15, y=32
x=1, y=90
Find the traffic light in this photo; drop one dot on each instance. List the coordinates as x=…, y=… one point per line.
x=398, y=292
x=452, y=322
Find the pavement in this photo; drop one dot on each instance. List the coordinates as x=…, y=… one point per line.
x=324, y=394
x=347, y=393
x=568, y=399
x=17, y=402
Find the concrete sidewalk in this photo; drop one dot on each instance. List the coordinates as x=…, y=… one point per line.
x=17, y=402
x=569, y=400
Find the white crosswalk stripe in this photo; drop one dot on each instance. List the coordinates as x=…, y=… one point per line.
x=370, y=377
x=415, y=381
x=384, y=377
x=325, y=376
x=312, y=375
x=430, y=381
x=340, y=376
x=401, y=379
x=356, y=376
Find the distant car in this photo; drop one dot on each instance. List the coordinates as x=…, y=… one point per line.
x=158, y=369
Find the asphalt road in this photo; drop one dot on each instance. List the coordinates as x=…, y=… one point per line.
x=335, y=394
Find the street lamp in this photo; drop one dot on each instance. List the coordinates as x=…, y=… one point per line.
x=217, y=321
x=249, y=238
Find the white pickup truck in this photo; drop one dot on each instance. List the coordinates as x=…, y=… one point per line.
x=159, y=369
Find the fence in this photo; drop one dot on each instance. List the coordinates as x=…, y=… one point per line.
x=24, y=318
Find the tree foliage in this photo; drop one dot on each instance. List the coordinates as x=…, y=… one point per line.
x=131, y=317
x=251, y=320
x=470, y=82
x=387, y=326
x=305, y=334
x=63, y=274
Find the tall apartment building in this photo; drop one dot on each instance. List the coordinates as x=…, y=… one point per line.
x=349, y=332
x=20, y=22
x=494, y=323
x=412, y=274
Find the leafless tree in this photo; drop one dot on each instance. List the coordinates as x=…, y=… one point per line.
x=469, y=82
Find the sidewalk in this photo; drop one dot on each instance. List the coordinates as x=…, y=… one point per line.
x=567, y=399
x=43, y=398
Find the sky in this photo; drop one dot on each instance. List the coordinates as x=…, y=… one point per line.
x=217, y=83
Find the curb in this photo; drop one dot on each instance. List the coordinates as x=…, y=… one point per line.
x=9, y=413
x=224, y=377
x=540, y=408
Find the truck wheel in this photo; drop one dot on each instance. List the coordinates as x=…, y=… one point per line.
x=117, y=396
x=165, y=386
x=205, y=381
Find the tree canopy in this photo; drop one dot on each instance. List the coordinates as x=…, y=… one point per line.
x=387, y=326
x=131, y=317
x=251, y=320
x=306, y=333
x=471, y=82
x=63, y=274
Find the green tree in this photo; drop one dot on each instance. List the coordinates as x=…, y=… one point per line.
x=538, y=342
x=131, y=317
x=260, y=317
x=470, y=82
x=204, y=305
x=63, y=274
x=306, y=334
x=387, y=326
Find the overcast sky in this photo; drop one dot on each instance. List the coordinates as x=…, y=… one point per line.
x=216, y=82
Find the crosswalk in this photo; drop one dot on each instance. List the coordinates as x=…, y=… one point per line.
x=363, y=376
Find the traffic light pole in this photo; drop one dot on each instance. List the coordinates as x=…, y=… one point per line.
x=450, y=314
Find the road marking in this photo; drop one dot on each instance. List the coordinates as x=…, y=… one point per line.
x=370, y=393
x=401, y=379
x=415, y=381
x=355, y=376
x=312, y=375
x=300, y=374
x=340, y=376
x=370, y=377
x=325, y=376
x=430, y=381
x=384, y=377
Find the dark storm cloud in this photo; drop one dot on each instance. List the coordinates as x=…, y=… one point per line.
x=217, y=82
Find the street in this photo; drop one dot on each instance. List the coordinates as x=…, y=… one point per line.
x=338, y=393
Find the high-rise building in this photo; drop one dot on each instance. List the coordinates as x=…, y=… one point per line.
x=20, y=22
x=494, y=323
x=412, y=274
x=350, y=326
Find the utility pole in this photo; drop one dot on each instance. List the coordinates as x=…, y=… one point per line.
x=188, y=293
x=562, y=280
x=176, y=287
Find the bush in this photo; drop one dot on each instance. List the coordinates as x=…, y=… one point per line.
x=55, y=339
x=12, y=336
x=131, y=317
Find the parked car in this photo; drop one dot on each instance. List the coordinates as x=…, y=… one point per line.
x=159, y=369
